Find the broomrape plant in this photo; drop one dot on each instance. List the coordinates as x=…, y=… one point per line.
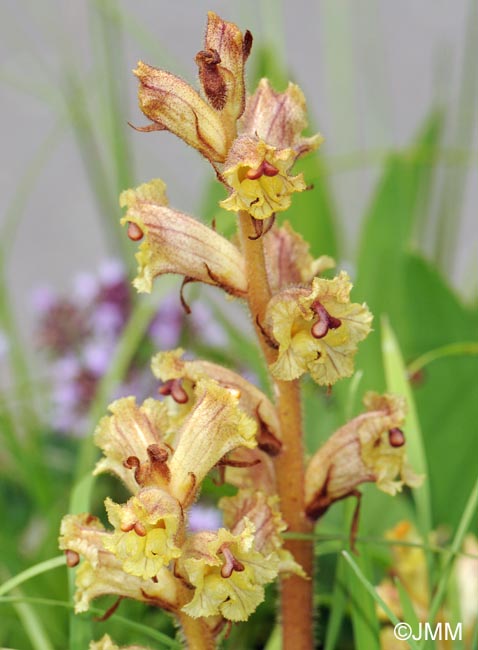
x=211, y=417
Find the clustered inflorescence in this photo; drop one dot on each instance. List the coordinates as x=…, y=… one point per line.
x=209, y=416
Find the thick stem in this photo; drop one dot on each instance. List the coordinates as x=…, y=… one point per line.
x=196, y=632
x=296, y=592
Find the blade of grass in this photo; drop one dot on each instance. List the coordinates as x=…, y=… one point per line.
x=133, y=625
x=31, y=572
x=396, y=380
x=453, y=349
x=337, y=606
x=464, y=525
x=409, y=613
x=33, y=626
x=374, y=594
x=110, y=60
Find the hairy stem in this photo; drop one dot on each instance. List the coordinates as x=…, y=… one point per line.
x=197, y=634
x=296, y=592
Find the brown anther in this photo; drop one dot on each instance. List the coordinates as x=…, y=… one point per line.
x=127, y=528
x=264, y=169
x=132, y=462
x=396, y=437
x=72, y=558
x=157, y=454
x=134, y=232
x=139, y=529
x=268, y=169
x=325, y=323
x=230, y=562
x=211, y=78
x=174, y=388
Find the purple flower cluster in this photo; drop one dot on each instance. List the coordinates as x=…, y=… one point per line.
x=79, y=334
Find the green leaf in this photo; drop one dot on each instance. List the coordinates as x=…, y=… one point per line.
x=363, y=598
x=396, y=379
x=388, y=232
x=370, y=589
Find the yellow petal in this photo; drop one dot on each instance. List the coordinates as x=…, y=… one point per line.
x=146, y=527
x=215, y=426
x=236, y=592
x=128, y=433
x=169, y=365
x=259, y=178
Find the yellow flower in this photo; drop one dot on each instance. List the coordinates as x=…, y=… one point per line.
x=101, y=572
x=176, y=243
x=227, y=573
x=369, y=448
x=181, y=375
x=258, y=164
x=317, y=330
x=215, y=426
x=262, y=510
x=145, y=531
x=258, y=175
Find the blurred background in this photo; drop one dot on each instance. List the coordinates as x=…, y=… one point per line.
x=393, y=87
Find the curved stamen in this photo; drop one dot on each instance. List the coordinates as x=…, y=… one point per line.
x=264, y=169
x=174, y=388
x=230, y=563
x=325, y=323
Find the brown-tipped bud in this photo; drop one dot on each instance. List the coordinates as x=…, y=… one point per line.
x=221, y=69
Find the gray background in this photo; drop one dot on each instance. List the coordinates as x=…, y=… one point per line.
x=371, y=71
